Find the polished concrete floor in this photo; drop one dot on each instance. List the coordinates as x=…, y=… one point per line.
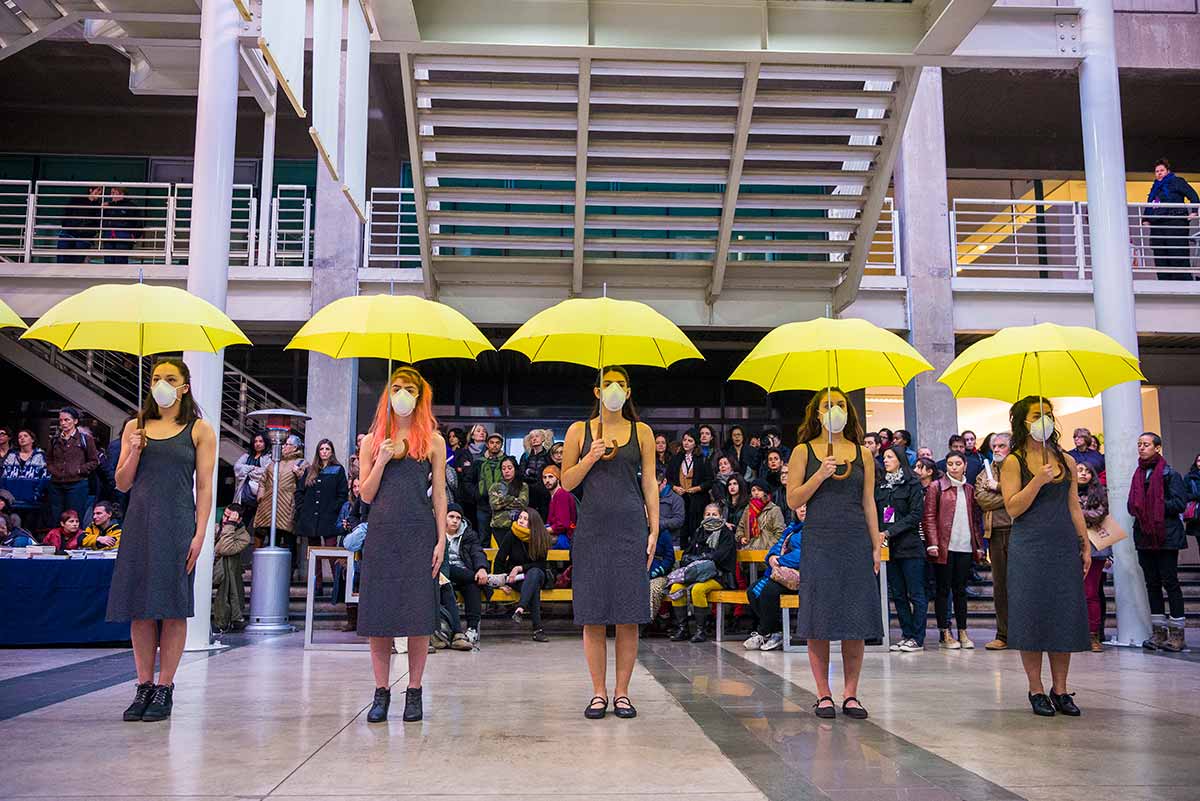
x=267, y=719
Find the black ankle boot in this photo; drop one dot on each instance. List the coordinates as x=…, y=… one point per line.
x=160, y=704
x=141, y=700
x=412, y=704
x=379, y=706
x=681, y=625
x=1065, y=703
x=700, y=635
x=1042, y=706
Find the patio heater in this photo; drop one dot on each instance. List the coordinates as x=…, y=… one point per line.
x=272, y=565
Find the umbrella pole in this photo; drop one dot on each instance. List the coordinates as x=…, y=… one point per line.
x=828, y=394
x=141, y=359
x=1041, y=409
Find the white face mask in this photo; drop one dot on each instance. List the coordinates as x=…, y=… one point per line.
x=613, y=397
x=164, y=394
x=834, y=419
x=1042, y=428
x=403, y=403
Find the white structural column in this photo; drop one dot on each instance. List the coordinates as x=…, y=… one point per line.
x=208, y=254
x=267, y=189
x=1112, y=287
x=930, y=411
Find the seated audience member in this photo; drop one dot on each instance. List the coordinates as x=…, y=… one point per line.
x=709, y=563
x=449, y=633
x=7, y=504
x=762, y=524
x=662, y=564
x=871, y=442
x=671, y=512
x=953, y=542
x=12, y=535
x=523, y=556
x=903, y=439
x=104, y=534
x=779, y=579
x=564, y=513
x=232, y=539
x=725, y=471
x=67, y=536
x=466, y=567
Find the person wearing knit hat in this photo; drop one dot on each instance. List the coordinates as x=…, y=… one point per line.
x=762, y=524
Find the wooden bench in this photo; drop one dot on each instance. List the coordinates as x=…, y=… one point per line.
x=723, y=597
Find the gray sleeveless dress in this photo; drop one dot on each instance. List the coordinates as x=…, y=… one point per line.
x=839, y=591
x=398, y=595
x=150, y=580
x=1047, y=610
x=609, y=581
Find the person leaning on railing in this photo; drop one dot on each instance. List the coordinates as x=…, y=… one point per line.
x=80, y=224
x=1169, y=227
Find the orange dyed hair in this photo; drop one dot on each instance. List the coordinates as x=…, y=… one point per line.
x=420, y=435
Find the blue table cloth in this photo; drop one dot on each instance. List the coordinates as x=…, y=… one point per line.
x=56, y=602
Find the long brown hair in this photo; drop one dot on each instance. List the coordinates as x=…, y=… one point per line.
x=811, y=428
x=539, y=536
x=188, y=410
x=315, y=467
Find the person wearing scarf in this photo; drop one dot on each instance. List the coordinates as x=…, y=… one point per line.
x=523, y=557
x=1169, y=226
x=712, y=540
x=1157, y=498
x=691, y=478
x=762, y=524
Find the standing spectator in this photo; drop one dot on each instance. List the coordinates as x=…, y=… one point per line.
x=721, y=478
x=563, y=511
x=104, y=534
x=1157, y=499
x=466, y=567
x=319, y=499
x=772, y=437
x=506, y=498
x=903, y=439
x=762, y=524
x=535, y=458
x=737, y=498
x=71, y=461
x=1084, y=451
x=80, y=223
x=772, y=469
x=743, y=454
x=952, y=542
x=708, y=444
x=122, y=223
x=1169, y=227
x=925, y=453
x=486, y=474
x=556, y=455
x=1048, y=555
x=463, y=461
x=871, y=443
x=68, y=535
x=691, y=478
x=5, y=442
x=998, y=527
x=522, y=556
x=25, y=476
x=1192, y=480
x=248, y=475
x=764, y=596
x=232, y=539
x=900, y=502
x=885, y=438
x=291, y=469
x=974, y=459
x=661, y=457
x=1093, y=500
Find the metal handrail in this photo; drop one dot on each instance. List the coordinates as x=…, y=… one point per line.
x=392, y=235
x=883, y=257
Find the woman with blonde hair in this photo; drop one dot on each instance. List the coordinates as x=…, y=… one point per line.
x=404, y=480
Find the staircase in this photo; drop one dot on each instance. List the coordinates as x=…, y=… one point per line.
x=105, y=383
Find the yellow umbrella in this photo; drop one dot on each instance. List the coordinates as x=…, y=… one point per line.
x=1043, y=359
x=830, y=352
x=139, y=319
x=598, y=332
x=9, y=318
x=403, y=328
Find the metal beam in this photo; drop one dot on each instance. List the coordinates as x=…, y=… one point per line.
x=733, y=179
x=49, y=29
x=948, y=22
x=581, y=171
x=414, y=148
x=847, y=290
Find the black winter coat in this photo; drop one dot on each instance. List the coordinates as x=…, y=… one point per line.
x=470, y=551
x=1174, y=502
x=318, y=506
x=724, y=556
x=903, y=534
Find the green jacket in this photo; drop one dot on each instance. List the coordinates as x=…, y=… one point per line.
x=489, y=474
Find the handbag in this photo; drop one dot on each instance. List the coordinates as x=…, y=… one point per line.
x=1191, y=514
x=789, y=577
x=700, y=570
x=353, y=542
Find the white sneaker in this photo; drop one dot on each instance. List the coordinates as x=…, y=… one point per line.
x=773, y=642
x=754, y=642
x=473, y=638
x=895, y=646
x=910, y=646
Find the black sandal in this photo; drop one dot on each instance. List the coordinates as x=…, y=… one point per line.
x=856, y=712
x=593, y=712
x=628, y=710
x=826, y=712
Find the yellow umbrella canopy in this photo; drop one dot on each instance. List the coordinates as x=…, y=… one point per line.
x=826, y=352
x=1046, y=359
x=9, y=318
x=596, y=332
x=136, y=318
x=403, y=328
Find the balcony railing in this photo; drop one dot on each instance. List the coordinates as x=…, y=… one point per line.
x=1052, y=239
x=391, y=238
x=141, y=223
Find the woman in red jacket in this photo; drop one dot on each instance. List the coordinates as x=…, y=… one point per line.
x=952, y=543
x=68, y=536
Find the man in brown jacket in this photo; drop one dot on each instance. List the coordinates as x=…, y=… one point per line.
x=998, y=522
